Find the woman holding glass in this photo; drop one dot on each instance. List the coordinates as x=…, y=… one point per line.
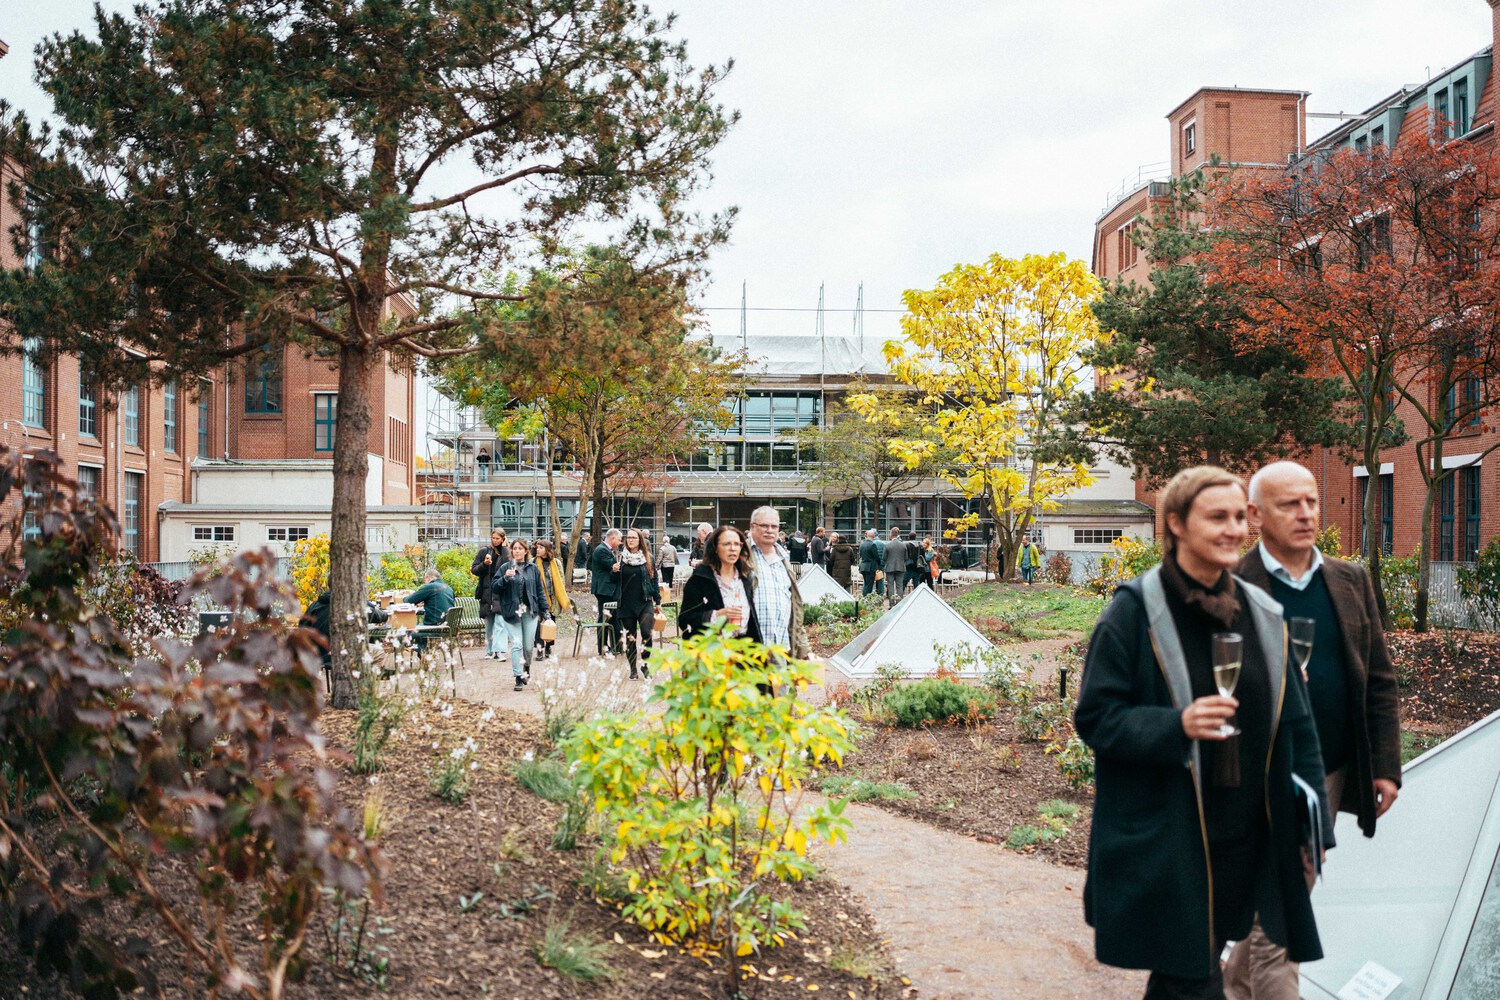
x=720, y=587
x=519, y=602
x=1195, y=826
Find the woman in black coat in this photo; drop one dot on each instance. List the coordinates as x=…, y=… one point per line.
x=486, y=561
x=1195, y=834
x=520, y=602
x=639, y=601
x=841, y=561
x=721, y=587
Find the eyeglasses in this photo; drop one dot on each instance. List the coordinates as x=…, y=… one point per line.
x=765, y=524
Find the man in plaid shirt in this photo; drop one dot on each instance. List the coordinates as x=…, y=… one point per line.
x=778, y=603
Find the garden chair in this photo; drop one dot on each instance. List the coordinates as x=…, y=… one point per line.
x=470, y=624
x=580, y=626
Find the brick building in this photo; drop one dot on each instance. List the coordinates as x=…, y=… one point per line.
x=143, y=450
x=1267, y=130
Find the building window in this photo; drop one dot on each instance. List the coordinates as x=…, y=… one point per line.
x=1387, y=513
x=1469, y=482
x=88, y=481
x=169, y=417
x=130, y=520
x=1377, y=135
x=1361, y=143
x=33, y=384
x=1445, y=520
x=284, y=533
x=205, y=420
x=1441, y=122
x=88, y=405
x=263, y=382
x=1094, y=536
x=325, y=419
x=130, y=415
x=1460, y=107
x=1189, y=137
x=213, y=532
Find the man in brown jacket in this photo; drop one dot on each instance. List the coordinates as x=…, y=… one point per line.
x=1351, y=683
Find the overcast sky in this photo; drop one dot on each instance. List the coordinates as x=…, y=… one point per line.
x=885, y=142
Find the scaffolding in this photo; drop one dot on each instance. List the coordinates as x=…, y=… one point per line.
x=447, y=507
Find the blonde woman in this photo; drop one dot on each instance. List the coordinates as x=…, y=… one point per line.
x=554, y=585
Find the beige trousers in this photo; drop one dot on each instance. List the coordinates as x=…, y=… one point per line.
x=1259, y=969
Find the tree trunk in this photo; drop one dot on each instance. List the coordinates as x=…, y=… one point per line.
x=347, y=562
x=1371, y=534
x=597, y=521
x=1424, y=554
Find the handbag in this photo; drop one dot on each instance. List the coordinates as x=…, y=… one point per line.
x=880, y=574
x=666, y=593
x=659, y=622
x=547, y=631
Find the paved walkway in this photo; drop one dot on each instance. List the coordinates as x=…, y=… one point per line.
x=965, y=920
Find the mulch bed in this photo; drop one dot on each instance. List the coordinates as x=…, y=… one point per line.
x=1451, y=678
x=498, y=843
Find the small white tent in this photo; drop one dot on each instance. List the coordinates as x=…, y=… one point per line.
x=816, y=585
x=906, y=636
x=1415, y=911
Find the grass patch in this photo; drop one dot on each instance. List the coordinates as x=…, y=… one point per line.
x=1041, y=612
x=1057, y=809
x=545, y=777
x=864, y=964
x=860, y=790
x=1413, y=745
x=1056, y=818
x=1022, y=837
x=581, y=956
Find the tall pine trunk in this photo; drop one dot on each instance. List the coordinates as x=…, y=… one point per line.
x=347, y=562
x=1371, y=534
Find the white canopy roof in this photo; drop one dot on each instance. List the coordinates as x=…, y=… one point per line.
x=906, y=635
x=1419, y=903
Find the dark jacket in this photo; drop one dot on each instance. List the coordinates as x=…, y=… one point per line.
x=603, y=581
x=436, y=597
x=1147, y=894
x=895, y=558
x=583, y=553
x=524, y=588
x=817, y=550
x=317, y=617
x=484, y=591
x=796, y=547
x=869, y=557
x=1374, y=699
x=701, y=598
x=639, y=592
x=841, y=563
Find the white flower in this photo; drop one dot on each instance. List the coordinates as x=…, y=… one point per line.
x=374, y=779
x=528, y=755
x=435, y=744
x=354, y=674
x=474, y=765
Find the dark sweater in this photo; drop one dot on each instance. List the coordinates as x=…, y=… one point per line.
x=1327, y=677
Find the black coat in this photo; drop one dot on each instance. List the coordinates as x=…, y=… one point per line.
x=870, y=558
x=701, y=598
x=510, y=592
x=639, y=592
x=484, y=591
x=603, y=580
x=841, y=563
x=1148, y=888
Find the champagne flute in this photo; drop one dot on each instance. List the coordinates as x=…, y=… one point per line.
x=1301, y=632
x=1228, y=652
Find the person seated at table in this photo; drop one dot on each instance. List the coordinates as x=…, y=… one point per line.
x=436, y=598
x=316, y=617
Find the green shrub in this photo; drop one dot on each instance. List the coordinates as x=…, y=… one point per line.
x=1398, y=578
x=394, y=571
x=454, y=565
x=380, y=716
x=1330, y=543
x=860, y=790
x=1126, y=559
x=938, y=699
x=1480, y=586
x=582, y=956
x=677, y=790
x=1059, y=570
x=1074, y=759
x=546, y=777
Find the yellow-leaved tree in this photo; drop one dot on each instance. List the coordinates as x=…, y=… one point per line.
x=995, y=349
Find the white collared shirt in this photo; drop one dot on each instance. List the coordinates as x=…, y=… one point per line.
x=1280, y=572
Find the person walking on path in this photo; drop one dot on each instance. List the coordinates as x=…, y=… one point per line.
x=1351, y=683
x=436, y=598
x=696, y=552
x=1195, y=830
x=486, y=561
x=667, y=559
x=895, y=567
x=929, y=563
x=869, y=563
x=604, y=583
x=1031, y=558
x=721, y=587
x=778, y=602
x=817, y=548
x=841, y=561
x=554, y=587
x=639, y=601
x=520, y=602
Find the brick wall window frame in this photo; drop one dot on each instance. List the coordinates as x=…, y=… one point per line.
x=1190, y=137
x=1387, y=513
x=33, y=384
x=325, y=420
x=88, y=404
x=205, y=418
x=213, y=532
x=1096, y=536
x=1469, y=487
x=169, y=417
x=263, y=381
x=287, y=533
x=1446, y=518
x=88, y=480
x=130, y=415
x=130, y=513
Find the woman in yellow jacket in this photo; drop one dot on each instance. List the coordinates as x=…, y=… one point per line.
x=554, y=585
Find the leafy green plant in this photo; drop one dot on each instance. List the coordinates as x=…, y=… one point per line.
x=394, y=571
x=455, y=770
x=581, y=955
x=1059, y=569
x=352, y=944
x=1480, y=586
x=1074, y=759
x=939, y=700
x=1056, y=817
x=453, y=565
x=860, y=790
x=700, y=801
x=380, y=717
x=1126, y=559
x=1329, y=542
x=1398, y=578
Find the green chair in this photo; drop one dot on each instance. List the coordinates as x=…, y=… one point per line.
x=580, y=626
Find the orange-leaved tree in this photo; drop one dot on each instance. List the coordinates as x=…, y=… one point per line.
x=1379, y=266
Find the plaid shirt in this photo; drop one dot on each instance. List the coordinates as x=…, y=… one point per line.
x=773, y=596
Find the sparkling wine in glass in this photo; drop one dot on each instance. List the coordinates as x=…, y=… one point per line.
x=1301, y=631
x=1228, y=653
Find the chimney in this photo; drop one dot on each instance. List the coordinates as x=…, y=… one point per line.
x=3, y=48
